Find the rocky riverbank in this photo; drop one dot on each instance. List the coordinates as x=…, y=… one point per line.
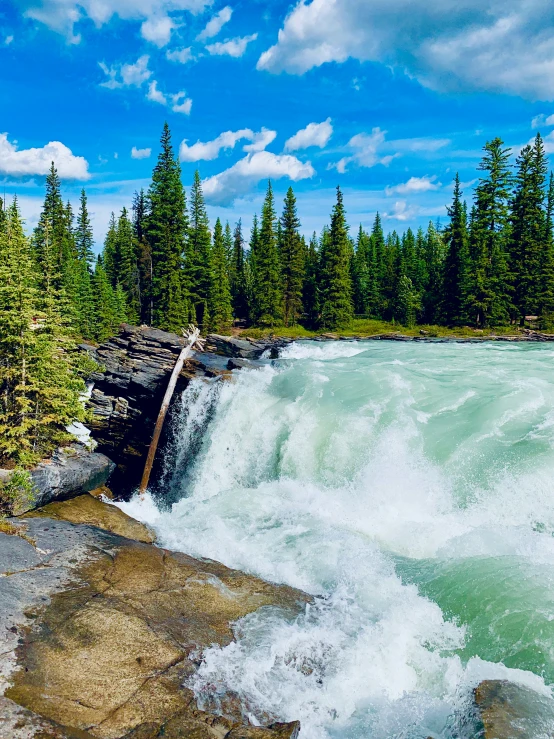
x=102, y=631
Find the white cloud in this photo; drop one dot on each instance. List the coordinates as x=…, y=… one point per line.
x=157, y=30
x=542, y=120
x=8, y=40
x=216, y=23
x=315, y=134
x=502, y=46
x=182, y=56
x=37, y=161
x=365, y=151
x=63, y=15
x=155, y=95
x=414, y=185
x=181, y=103
x=140, y=153
x=210, y=150
x=126, y=75
x=402, y=211
x=260, y=140
x=235, y=47
x=223, y=188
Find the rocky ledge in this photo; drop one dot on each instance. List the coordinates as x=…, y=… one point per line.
x=127, y=393
x=102, y=633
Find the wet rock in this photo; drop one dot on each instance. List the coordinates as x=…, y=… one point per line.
x=104, y=631
x=70, y=471
x=237, y=364
x=91, y=511
x=511, y=711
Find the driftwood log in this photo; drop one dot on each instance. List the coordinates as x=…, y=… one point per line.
x=194, y=341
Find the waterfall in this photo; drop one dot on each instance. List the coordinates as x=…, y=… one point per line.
x=409, y=489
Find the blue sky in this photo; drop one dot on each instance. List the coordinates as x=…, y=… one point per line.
x=388, y=98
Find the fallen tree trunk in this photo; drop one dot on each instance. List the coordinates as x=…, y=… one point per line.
x=193, y=338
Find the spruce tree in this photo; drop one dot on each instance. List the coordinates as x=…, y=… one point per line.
x=220, y=295
x=128, y=275
x=547, y=263
x=336, y=286
x=166, y=230
x=110, y=253
x=360, y=273
x=144, y=255
x=456, y=262
x=528, y=229
x=105, y=304
x=310, y=290
x=84, y=241
x=198, y=254
x=292, y=261
x=239, y=292
x=267, y=296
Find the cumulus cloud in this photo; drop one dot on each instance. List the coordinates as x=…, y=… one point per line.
x=155, y=95
x=181, y=103
x=260, y=140
x=414, y=185
x=63, y=15
x=36, y=161
x=126, y=75
x=215, y=24
x=157, y=30
x=210, y=150
x=234, y=47
x=223, y=188
x=315, y=134
x=140, y=153
x=500, y=46
x=182, y=56
x=402, y=211
x=365, y=151
x=542, y=120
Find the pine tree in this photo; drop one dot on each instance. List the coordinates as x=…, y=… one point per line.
x=128, y=275
x=105, y=304
x=434, y=250
x=266, y=298
x=39, y=378
x=360, y=273
x=336, y=286
x=84, y=241
x=456, y=262
x=198, y=254
x=239, y=292
x=310, y=291
x=110, y=253
x=292, y=261
x=220, y=295
x=547, y=263
x=143, y=255
x=166, y=231
x=528, y=228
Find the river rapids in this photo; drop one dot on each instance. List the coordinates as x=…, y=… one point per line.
x=410, y=488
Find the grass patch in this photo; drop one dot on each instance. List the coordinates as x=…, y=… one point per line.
x=368, y=327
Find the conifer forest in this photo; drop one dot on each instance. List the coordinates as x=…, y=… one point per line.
x=490, y=264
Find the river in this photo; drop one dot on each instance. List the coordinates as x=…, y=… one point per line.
x=411, y=488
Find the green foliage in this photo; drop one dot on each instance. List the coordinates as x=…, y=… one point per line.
x=17, y=493
x=266, y=269
x=221, y=313
x=292, y=250
x=336, y=285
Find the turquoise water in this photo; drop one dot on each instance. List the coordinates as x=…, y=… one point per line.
x=411, y=488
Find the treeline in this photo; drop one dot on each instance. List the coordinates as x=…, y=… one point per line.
x=492, y=264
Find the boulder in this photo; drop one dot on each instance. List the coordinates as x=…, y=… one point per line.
x=70, y=471
x=91, y=511
x=103, y=632
x=512, y=711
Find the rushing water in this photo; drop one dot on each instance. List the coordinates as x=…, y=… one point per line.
x=411, y=486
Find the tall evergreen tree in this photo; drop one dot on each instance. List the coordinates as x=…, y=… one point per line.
x=220, y=295
x=336, y=286
x=310, y=291
x=239, y=291
x=292, y=261
x=267, y=297
x=360, y=273
x=166, y=229
x=198, y=254
x=528, y=228
x=84, y=241
x=456, y=261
